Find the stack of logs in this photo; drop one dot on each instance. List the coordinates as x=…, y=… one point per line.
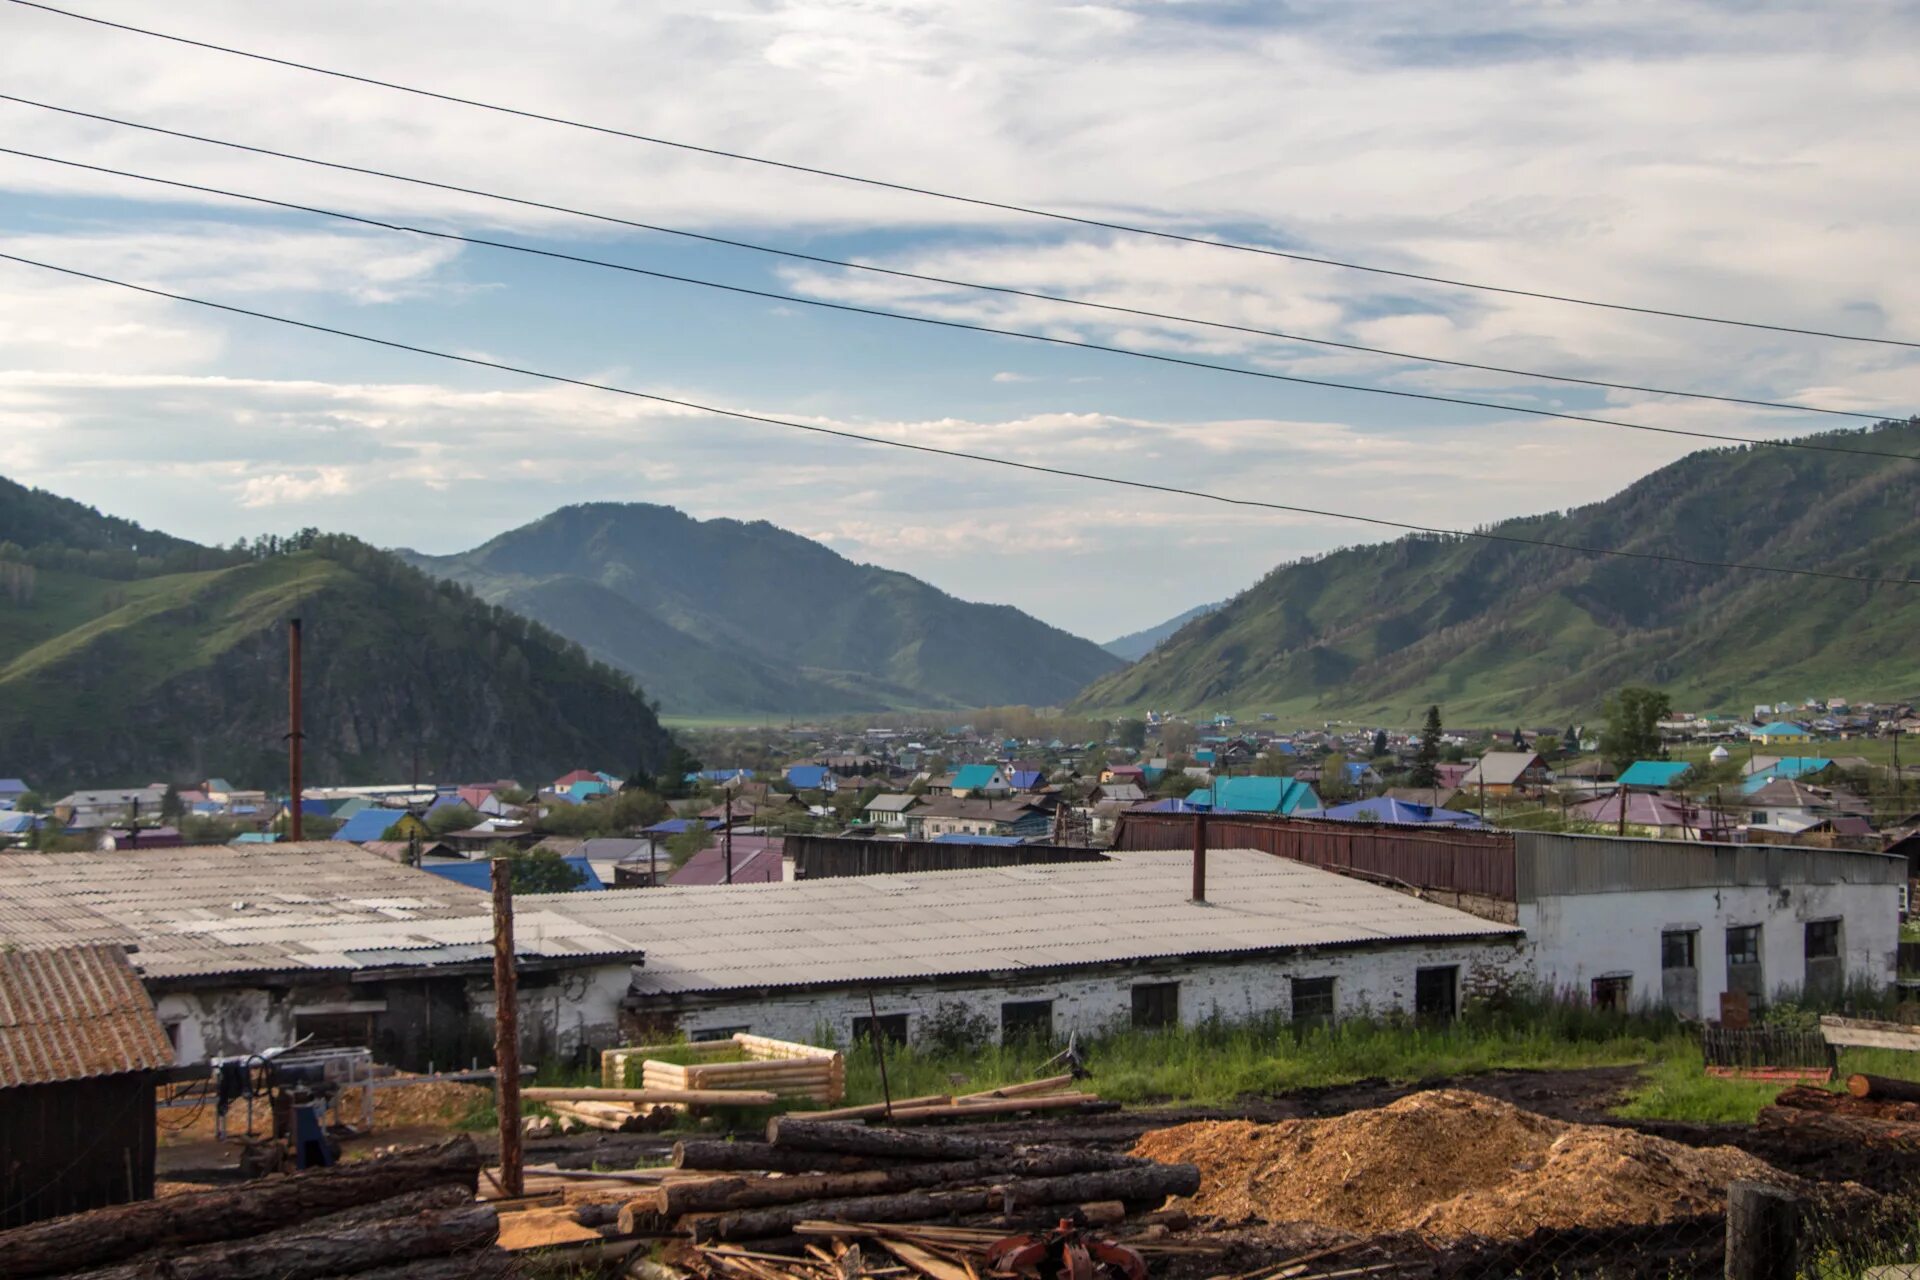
x=826, y=1170
x=772, y=1070
x=408, y=1214
x=1875, y=1111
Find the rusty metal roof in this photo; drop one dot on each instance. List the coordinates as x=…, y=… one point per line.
x=69, y=1013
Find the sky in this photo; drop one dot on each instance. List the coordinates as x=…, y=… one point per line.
x=1735, y=159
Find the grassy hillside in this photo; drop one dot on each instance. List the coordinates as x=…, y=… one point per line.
x=722, y=616
x=108, y=679
x=1497, y=632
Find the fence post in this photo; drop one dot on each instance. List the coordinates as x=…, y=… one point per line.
x=1763, y=1232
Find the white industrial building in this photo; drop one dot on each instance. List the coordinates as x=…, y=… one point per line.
x=1045, y=949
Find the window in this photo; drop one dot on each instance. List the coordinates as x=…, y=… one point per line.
x=173, y=1034
x=1026, y=1020
x=1156, y=1004
x=1680, y=972
x=892, y=1028
x=1678, y=948
x=1823, y=939
x=1435, y=992
x=1312, y=1000
x=1743, y=944
x=1826, y=971
x=714, y=1033
x=1613, y=993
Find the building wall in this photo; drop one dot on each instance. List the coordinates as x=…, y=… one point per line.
x=1575, y=938
x=1375, y=980
x=75, y=1145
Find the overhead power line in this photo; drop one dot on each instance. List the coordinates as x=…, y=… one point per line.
x=955, y=197
x=934, y=450
x=946, y=282
x=968, y=326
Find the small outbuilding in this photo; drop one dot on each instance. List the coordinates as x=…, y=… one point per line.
x=80, y=1052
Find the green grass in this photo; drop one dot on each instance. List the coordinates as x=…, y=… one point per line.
x=1213, y=1065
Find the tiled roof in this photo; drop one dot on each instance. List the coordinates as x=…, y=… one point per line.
x=923, y=925
x=215, y=909
x=70, y=1013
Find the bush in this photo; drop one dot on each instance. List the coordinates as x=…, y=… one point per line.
x=954, y=1027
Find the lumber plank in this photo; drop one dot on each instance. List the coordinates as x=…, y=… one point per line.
x=1021, y=1090
x=102, y=1236
x=721, y=1156
x=1868, y=1033
x=977, y=1110
x=775, y=1220
x=689, y=1097
x=867, y=1111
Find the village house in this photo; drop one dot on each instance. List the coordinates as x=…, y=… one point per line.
x=89, y=810
x=956, y=815
x=978, y=780
x=888, y=813
x=1279, y=796
x=1505, y=773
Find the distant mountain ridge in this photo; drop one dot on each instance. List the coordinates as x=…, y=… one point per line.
x=718, y=616
x=1498, y=632
x=128, y=655
x=1136, y=645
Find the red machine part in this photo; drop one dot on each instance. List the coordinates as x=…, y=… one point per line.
x=1065, y=1253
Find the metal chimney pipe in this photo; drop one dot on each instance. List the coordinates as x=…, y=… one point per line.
x=294, y=734
x=1200, y=855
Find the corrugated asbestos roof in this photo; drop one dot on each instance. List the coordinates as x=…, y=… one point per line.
x=69, y=1013
x=953, y=922
x=216, y=909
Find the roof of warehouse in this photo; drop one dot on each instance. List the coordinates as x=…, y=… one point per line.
x=202, y=910
x=71, y=1013
x=1134, y=906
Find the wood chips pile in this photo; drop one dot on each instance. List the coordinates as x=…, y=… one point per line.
x=1449, y=1164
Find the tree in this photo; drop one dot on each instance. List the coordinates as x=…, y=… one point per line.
x=170, y=806
x=1334, y=786
x=452, y=817
x=1425, y=773
x=1519, y=739
x=1633, y=726
x=1547, y=746
x=1177, y=737
x=28, y=802
x=1379, y=743
x=673, y=774
x=543, y=871
x=1571, y=738
x=696, y=837
x=1131, y=733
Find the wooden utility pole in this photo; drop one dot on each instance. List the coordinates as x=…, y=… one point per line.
x=294, y=735
x=506, y=1030
x=1622, y=797
x=1200, y=856
x=726, y=837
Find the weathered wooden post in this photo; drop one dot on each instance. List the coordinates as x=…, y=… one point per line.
x=506, y=1029
x=1763, y=1232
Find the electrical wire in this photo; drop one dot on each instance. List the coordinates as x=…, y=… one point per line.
x=943, y=281
x=975, y=201
x=934, y=450
x=969, y=326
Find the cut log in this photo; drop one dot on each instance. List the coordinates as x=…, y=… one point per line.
x=767, y=1047
x=1021, y=1090
x=689, y=1097
x=722, y=1156
x=911, y=1206
x=984, y=1110
x=314, y=1255
x=403, y=1206
x=721, y=1195
x=852, y=1139
x=597, y=1215
x=1842, y=1129
x=1152, y=1183
x=575, y=1111
x=487, y=1264
x=1104, y=1213
x=869, y=1110
x=101, y=1236
x=1883, y=1088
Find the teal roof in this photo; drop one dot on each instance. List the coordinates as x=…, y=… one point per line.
x=1654, y=773
x=972, y=777
x=1780, y=729
x=1255, y=795
x=1789, y=767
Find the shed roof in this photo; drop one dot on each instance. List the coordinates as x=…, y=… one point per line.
x=1654, y=773
x=75, y=1012
x=972, y=777
x=1499, y=768
x=203, y=910
x=892, y=803
x=921, y=925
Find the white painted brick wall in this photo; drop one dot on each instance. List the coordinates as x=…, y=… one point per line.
x=1377, y=980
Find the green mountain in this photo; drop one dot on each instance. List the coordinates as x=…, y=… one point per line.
x=1497, y=632
x=720, y=616
x=1136, y=645
x=127, y=655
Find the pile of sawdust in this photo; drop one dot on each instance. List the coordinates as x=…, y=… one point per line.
x=1449, y=1163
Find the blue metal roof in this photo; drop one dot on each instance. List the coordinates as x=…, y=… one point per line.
x=808, y=777
x=478, y=874
x=368, y=824
x=1254, y=795
x=1388, y=809
x=675, y=826
x=1654, y=773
